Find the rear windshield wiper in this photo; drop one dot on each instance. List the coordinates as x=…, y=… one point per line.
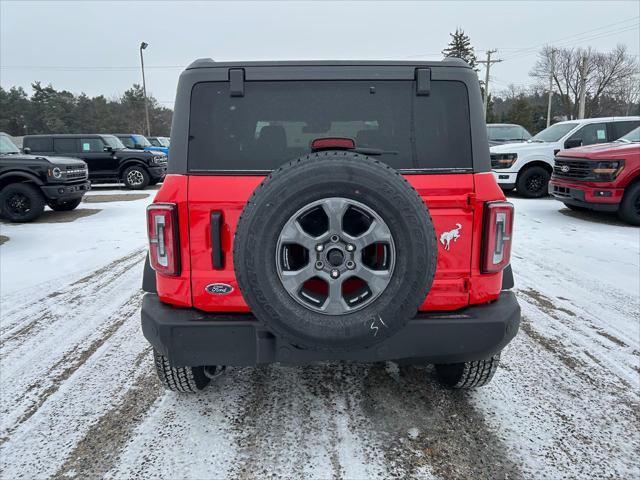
x=373, y=151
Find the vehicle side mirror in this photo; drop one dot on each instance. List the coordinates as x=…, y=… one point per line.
x=137, y=146
x=573, y=143
x=26, y=150
x=108, y=149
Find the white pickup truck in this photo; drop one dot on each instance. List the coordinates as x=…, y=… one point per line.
x=527, y=166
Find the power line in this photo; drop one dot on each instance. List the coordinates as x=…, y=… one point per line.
x=534, y=50
x=579, y=34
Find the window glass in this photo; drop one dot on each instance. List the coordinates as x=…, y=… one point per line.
x=277, y=121
x=7, y=146
x=506, y=133
x=65, y=145
x=42, y=144
x=92, y=145
x=632, y=136
x=141, y=140
x=622, y=128
x=155, y=142
x=554, y=132
x=592, y=133
x=113, y=142
x=127, y=141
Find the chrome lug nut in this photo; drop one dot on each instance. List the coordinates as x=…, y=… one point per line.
x=319, y=247
x=335, y=238
x=319, y=265
x=335, y=273
x=351, y=265
x=350, y=248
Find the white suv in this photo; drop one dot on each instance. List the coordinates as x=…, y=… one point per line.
x=528, y=166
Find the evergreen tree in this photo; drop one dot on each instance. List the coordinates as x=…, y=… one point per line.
x=460, y=47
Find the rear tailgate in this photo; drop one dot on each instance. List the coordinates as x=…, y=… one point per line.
x=216, y=202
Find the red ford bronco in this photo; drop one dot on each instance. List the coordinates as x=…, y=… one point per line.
x=325, y=211
x=603, y=177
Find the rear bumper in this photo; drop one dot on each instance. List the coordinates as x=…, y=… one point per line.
x=190, y=337
x=602, y=198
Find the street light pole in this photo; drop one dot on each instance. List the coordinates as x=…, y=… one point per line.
x=144, y=45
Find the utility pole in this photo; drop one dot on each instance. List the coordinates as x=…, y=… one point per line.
x=583, y=86
x=551, y=73
x=488, y=63
x=144, y=45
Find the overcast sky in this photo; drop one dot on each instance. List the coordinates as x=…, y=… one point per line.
x=92, y=47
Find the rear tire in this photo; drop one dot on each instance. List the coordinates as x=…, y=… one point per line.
x=468, y=374
x=179, y=379
x=64, y=205
x=629, y=210
x=21, y=202
x=135, y=177
x=533, y=182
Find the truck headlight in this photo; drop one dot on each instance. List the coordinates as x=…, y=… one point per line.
x=159, y=159
x=56, y=173
x=503, y=160
x=608, y=169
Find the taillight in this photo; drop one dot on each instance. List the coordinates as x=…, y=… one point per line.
x=498, y=232
x=164, y=243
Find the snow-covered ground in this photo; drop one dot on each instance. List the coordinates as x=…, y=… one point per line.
x=79, y=397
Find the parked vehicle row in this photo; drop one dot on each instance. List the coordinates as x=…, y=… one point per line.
x=107, y=158
x=56, y=170
x=528, y=166
x=140, y=142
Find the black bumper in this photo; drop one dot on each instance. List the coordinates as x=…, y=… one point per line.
x=575, y=196
x=65, y=191
x=190, y=337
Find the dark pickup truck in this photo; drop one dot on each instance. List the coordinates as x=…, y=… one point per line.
x=29, y=182
x=106, y=156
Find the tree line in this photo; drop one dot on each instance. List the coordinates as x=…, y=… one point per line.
x=611, y=82
x=49, y=110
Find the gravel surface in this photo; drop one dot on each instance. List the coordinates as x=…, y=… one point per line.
x=79, y=397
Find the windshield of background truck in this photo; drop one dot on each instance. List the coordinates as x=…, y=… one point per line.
x=553, y=133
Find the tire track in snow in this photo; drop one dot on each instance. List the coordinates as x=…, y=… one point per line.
x=110, y=433
x=70, y=362
x=19, y=322
x=424, y=429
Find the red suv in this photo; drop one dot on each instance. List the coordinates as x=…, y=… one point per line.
x=320, y=211
x=602, y=177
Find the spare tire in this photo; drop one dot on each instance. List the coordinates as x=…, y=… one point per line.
x=335, y=251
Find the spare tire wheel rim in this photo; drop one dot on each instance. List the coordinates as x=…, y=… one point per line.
x=335, y=256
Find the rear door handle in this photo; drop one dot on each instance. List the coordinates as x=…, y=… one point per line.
x=217, y=258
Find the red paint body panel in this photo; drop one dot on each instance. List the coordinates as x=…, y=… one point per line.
x=452, y=199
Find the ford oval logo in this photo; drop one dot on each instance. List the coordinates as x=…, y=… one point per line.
x=219, y=288
x=564, y=168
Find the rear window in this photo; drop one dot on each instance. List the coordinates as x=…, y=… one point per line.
x=276, y=121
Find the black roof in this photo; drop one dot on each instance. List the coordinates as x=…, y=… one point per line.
x=447, y=62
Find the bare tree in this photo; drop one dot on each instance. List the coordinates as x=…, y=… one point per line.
x=605, y=73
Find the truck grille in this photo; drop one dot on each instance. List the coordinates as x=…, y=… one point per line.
x=76, y=173
x=572, y=168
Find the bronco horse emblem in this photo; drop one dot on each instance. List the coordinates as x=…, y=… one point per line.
x=446, y=237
